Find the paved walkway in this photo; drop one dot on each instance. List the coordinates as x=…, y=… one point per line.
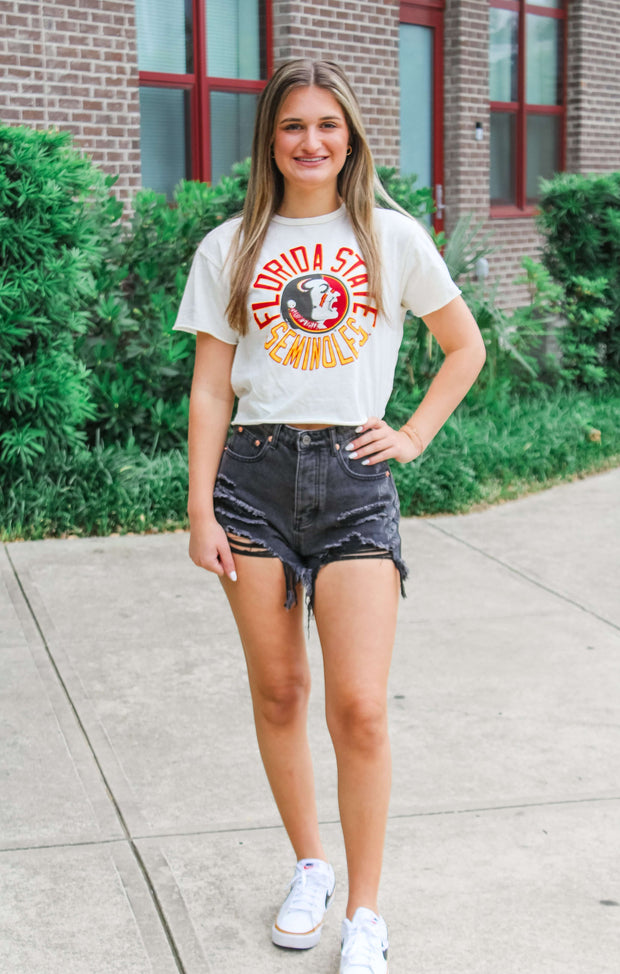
x=137, y=832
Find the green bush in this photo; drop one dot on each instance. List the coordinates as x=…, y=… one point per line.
x=417, y=200
x=580, y=220
x=55, y=213
x=139, y=371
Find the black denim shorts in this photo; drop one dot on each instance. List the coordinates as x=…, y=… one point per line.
x=299, y=496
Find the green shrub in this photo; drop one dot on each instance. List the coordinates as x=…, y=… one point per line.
x=55, y=211
x=139, y=370
x=580, y=220
x=522, y=345
x=417, y=200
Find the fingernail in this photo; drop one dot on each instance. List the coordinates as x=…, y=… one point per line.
x=232, y=576
x=358, y=429
x=349, y=447
x=365, y=463
x=353, y=456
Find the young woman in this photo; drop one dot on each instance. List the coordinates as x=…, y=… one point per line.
x=298, y=307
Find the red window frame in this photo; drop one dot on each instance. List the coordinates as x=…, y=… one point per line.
x=521, y=109
x=200, y=85
x=429, y=13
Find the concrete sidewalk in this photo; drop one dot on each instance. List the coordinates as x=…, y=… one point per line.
x=137, y=831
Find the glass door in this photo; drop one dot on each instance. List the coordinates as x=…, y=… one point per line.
x=421, y=98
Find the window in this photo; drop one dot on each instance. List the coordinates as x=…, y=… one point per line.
x=203, y=64
x=527, y=94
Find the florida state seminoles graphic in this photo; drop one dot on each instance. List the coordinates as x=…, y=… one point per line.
x=314, y=303
x=313, y=306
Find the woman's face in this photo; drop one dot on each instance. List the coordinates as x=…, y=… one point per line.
x=311, y=140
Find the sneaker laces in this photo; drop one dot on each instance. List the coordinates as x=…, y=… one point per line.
x=306, y=894
x=362, y=944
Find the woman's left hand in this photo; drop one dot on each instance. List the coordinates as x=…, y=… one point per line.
x=377, y=441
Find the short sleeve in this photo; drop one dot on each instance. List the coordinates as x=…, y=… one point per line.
x=204, y=302
x=427, y=285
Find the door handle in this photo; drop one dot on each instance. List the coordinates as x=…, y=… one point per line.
x=439, y=199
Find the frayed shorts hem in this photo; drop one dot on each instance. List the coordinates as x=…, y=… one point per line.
x=295, y=574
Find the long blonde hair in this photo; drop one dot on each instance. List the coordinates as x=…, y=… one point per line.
x=357, y=181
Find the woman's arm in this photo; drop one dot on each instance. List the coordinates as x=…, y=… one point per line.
x=460, y=340
x=210, y=409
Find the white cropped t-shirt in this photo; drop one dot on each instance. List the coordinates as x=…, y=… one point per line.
x=316, y=350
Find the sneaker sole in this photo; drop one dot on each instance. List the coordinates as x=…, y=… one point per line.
x=296, y=941
x=387, y=970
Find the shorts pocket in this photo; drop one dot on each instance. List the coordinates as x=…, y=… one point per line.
x=247, y=444
x=358, y=471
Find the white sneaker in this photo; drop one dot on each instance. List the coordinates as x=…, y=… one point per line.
x=300, y=920
x=364, y=944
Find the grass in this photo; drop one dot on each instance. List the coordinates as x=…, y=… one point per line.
x=491, y=450
x=98, y=492
x=497, y=450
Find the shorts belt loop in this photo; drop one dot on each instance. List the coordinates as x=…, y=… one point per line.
x=335, y=435
x=274, y=435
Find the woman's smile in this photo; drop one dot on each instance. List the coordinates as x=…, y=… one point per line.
x=310, y=160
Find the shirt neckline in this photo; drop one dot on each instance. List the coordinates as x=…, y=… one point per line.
x=307, y=221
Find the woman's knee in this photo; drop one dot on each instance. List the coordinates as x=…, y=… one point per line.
x=283, y=702
x=359, y=723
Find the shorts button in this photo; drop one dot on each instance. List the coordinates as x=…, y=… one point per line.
x=306, y=440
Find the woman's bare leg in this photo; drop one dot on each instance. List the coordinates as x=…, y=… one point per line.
x=275, y=651
x=355, y=608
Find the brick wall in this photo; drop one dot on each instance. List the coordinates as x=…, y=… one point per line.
x=593, y=122
x=467, y=163
x=466, y=96
x=74, y=65
x=363, y=37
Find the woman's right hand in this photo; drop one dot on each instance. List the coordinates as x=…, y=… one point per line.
x=209, y=548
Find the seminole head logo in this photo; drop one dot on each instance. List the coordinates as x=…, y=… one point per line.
x=314, y=303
